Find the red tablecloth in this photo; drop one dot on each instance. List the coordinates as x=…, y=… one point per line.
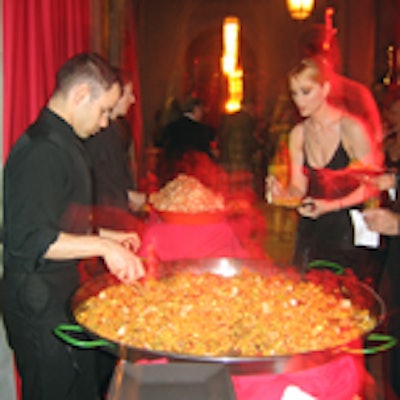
x=339, y=379
x=174, y=241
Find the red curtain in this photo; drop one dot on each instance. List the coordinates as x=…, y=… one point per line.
x=38, y=37
x=130, y=63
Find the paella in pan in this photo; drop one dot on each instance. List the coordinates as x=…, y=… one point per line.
x=231, y=310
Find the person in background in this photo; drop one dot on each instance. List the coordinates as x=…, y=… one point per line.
x=237, y=145
x=168, y=113
x=391, y=123
x=186, y=134
x=123, y=108
x=325, y=148
x=111, y=152
x=386, y=221
x=48, y=228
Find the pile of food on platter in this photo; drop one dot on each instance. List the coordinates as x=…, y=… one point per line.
x=186, y=194
x=209, y=315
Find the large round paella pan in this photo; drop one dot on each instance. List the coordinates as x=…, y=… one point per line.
x=263, y=323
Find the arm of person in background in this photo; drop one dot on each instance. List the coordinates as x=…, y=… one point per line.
x=114, y=247
x=384, y=181
x=133, y=165
x=383, y=221
x=136, y=200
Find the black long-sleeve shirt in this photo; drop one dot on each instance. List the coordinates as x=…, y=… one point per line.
x=47, y=190
x=111, y=175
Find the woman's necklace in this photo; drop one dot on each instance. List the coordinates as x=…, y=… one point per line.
x=322, y=141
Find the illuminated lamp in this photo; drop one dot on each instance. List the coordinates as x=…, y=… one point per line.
x=230, y=50
x=300, y=9
x=235, y=88
x=229, y=63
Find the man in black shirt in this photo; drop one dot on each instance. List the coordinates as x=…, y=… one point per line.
x=48, y=229
x=111, y=153
x=386, y=221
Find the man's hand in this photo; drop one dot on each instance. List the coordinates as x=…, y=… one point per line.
x=130, y=240
x=122, y=262
x=382, y=220
x=383, y=182
x=115, y=247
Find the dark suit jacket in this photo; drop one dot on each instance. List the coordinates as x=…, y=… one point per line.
x=185, y=135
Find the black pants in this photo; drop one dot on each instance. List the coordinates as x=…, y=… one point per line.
x=50, y=369
x=390, y=292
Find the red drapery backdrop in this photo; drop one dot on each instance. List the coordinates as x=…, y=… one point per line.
x=38, y=37
x=130, y=63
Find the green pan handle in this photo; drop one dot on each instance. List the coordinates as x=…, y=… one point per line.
x=387, y=343
x=327, y=264
x=63, y=330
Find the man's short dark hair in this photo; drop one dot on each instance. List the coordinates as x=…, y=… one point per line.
x=190, y=103
x=86, y=67
x=124, y=76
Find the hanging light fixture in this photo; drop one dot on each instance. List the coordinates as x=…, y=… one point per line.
x=300, y=9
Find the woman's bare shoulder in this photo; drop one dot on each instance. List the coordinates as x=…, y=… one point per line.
x=298, y=129
x=296, y=136
x=353, y=127
x=355, y=137
x=351, y=121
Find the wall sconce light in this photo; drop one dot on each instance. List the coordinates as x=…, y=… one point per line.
x=300, y=9
x=230, y=63
x=230, y=43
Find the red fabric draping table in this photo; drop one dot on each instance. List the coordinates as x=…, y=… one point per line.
x=175, y=241
x=339, y=379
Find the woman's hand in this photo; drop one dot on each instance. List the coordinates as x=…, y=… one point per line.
x=273, y=188
x=276, y=190
x=314, y=208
